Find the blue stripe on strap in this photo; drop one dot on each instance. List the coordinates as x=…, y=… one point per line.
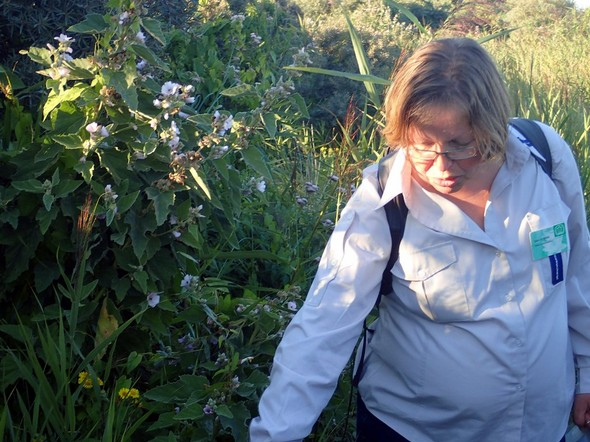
x=556, y=268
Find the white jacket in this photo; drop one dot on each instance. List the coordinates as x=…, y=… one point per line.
x=477, y=342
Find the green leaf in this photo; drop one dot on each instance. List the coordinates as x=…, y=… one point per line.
x=65, y=187
x=54, y=99
x=196, y=174
x=350, y=76
x=139, y=225
x=7, y=77
x=110, y=216
x=235, y=418
x=46, y=217
x=41, y=56
x=301, y=106
x=223, y=410
x=86, y=169
x=126, y=201
x=124, y=84
x=48, y=200
x=238, y=91
x=150, y=56
x=363, y=62
x=409, y=14
x=10, y=217
x=245, y=254
x=270, y=122
x=154, y=28
x=93, y=24
x=178, y=391
x=142, y=279
x=68, y=141
x=162, y=201
x=21, y=333
x=32, y=186
x=256, y=159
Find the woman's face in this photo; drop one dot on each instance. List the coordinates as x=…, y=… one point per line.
x=461, y=168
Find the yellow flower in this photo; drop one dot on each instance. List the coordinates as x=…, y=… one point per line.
x=131, y=393
x=85, y=380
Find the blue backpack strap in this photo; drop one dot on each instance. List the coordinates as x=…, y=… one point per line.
x=534, y=137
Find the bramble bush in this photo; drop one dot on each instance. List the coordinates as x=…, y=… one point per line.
x=155, y=217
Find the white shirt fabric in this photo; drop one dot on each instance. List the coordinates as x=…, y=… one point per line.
x=477, y=342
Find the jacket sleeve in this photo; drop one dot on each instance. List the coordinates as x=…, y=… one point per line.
x=319, y=341
x=566, y=177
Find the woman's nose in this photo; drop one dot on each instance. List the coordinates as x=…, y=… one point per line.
x=442, y=162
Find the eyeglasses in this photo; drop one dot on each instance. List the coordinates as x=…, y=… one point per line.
x=453, y=155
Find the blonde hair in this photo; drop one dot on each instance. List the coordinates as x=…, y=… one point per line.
x=450, y=72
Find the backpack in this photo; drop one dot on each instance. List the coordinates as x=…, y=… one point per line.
x=396, y=211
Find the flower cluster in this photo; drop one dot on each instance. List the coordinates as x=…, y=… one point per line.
x=282, y=89
x=85, y=380
x=190, y=282
x=60, y=55
x=194, y=213
x=172, y=97
x=97, y=131
x=253, y=184
x=222, y=123
x=301, y=58
x=110, y=197
x=129, y=394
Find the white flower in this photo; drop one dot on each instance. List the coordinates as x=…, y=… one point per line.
x=109, y=195
x=311, y=187
x=140, y=37
x=176, y=234
x=218, y=151
x=186, y=281
x=97, y=130
x=153, y=299
x=227, y=125
x=124, y=18
x=328, y=223
x=169, y=88
x=92, y=127
x=195, y=212
x=292, y=305
x=261, y=185
x=301, y=201
x=257, y=39
x=141, y=65
x=64, y=42
x=59, y=73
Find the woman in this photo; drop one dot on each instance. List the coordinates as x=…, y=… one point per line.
x=489, y=310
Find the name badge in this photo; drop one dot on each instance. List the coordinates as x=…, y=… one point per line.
x=548, y=242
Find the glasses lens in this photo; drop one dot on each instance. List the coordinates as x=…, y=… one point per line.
x=430, y=155
x=461, y=154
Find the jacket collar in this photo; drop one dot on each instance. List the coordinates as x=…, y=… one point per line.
x=398, y=180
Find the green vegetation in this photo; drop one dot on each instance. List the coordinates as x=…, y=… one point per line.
x=171, y=174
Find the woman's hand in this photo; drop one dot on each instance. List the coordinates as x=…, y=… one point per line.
x=582, y=410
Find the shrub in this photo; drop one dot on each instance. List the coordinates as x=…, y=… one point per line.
x=147, y=229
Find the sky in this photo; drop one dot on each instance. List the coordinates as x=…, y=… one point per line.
x=582, y=3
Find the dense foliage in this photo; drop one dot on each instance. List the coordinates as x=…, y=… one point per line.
x=167, y=188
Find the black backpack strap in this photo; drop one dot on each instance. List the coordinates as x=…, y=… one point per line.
x=534, y=136
x=396, y=212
